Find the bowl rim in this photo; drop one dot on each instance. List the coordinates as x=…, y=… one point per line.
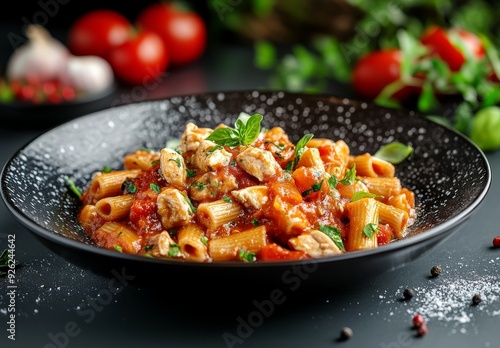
x=425, y=235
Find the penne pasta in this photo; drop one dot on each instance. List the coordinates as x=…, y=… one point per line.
x=228, y=248
x=192, y=243
x=363, y=218
x=244, y=195
x=110, y=184
x=114, y=208
x=217, y=213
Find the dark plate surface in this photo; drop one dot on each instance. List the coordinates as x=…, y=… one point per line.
x=449, y=175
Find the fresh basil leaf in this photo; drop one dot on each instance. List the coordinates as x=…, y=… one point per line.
x=299, y=148
x=394, y=152
x=370, y=229
x=251, y=130
x=334, y=234
x=362, y=194
x=73, y=188
x=224, y=136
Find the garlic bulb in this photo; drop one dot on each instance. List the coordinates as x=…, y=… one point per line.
x=88, y=73
x=41, y=57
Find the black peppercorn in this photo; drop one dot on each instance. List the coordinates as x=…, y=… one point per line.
x=408, y=293
x=345, y=333
x=476, y=299
x=435, y=271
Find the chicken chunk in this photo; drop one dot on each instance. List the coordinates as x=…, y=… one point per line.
x=167, y=246
x=315, y=243
x=259, y=163
x=193, y=136
x=172, y=167
x=252, y=197
x=210, y=156
x=173, y=208
x=210, y=185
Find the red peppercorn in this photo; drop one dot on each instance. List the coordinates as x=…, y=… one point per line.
x=422, y=330
x=496, y=242
x=418, y=320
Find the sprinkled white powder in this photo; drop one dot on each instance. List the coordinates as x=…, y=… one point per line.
x=450, y=300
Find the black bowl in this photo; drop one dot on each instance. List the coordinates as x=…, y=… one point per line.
x=448, y=173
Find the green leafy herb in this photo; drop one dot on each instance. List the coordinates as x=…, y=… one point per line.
x=174, y=250
x=204, y=240
x=192, y=208
x=214, y=148
x=255, y=222
x=155, y=187
x=73, y=188
x=394, y=152
x=148, y=247
x=106, y=169
x=300, y=148
x=370, y=229
x=176, y=160
x=362, y=194
x=190, y=173
x=247, y=256
x=118, y=248
x=227, y=199
x=246, y=130
x=317, y=186
x=199, y=185
x=129, y=187
x=334, y=234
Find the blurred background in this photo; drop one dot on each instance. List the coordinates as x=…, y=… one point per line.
x=315, y=46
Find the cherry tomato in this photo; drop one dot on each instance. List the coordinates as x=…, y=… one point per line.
x=140, y=59
x=376, y=70
x=96, y=32
x=440, y=42
x=183, y=31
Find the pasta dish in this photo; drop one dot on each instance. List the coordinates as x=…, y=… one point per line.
x=246, y=194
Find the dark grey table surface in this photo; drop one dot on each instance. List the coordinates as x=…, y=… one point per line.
x=58, y=304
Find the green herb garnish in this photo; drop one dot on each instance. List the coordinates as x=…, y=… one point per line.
x=246, y=130
x=128, y=187
x=174, y=250
x=118, y=248
x=362, y=194
x=155, y=187
x=176, y=160
x=394, y=152
x=73, y=188
x=370, y=229
x=190, y=173
x=334, y=234
x=247, y=256
x=227, y=199
x=300, y=148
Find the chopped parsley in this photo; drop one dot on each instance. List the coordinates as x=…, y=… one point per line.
x=227, y=199
x=176, y=160
x=362, y=194
x=174, y=250
x=155, y=187
x=118, y=248
x=247, y=256
x=106, y=169
x=204, y=240
x=349, y=178
x=73, y=188
x=255, y=222
x=129, y=186
x=190, y=173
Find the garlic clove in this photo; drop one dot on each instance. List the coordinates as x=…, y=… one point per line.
x=41, y=57
x=88, y=73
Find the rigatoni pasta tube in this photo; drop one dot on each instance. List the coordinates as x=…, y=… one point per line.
x=114, y=208
x=110, y=184
x=395, y=217
x=361, y=213
x=217, y=213
x=383, y=186
x=191, y=243
x=88, y=217
x=114, y=235
x=227, y=248
x=368, y=165
x=141, y=159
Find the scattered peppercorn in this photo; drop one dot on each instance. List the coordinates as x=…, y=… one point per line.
x=476, y=299
x=408, y=293
x=496, y=242
x=346, y=333
x=422, y=330
x=435, y=271
x=418, y=320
